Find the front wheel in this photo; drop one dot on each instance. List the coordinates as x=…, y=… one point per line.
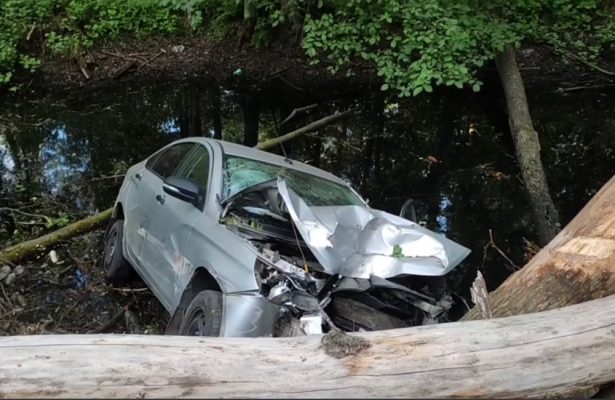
x=203, y=316
x=119, y=271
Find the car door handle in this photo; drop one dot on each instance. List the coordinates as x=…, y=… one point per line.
x=160, y=198
x=138, y=176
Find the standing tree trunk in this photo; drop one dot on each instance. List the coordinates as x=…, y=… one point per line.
x=216, y=112
x=251, y=107
x=527, y=146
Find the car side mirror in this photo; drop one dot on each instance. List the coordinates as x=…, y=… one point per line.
x=183, y=189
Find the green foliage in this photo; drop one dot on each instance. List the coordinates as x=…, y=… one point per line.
x=398, y=252
x=67, y=27
x=416, y=45
x=61, y=221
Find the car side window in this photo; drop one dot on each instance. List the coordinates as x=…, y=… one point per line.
x=196, y=166
x=168, y=160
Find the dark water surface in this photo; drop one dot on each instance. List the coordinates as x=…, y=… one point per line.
x=450, y=151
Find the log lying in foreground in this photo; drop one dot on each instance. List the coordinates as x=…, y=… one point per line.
x=566, y=351
x=576, y=266
x=30, y=248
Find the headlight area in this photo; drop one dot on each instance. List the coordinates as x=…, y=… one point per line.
x=296, y=290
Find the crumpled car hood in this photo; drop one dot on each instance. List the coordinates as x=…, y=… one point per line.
x=358, y=242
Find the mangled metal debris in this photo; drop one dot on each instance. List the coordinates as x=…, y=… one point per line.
x=351, y=251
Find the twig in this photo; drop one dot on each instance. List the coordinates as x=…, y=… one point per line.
x=71, y=308
x=19, y=310
x=296, y=111
x=340, y=141
x=46, y=218
x=118, y=55
x=83, y=71
x=575, y=88
x=275, y=73
x=8, y=301
x=30, y=32
x=290, y=84
x=492, y=244
x=114, y=320
x=102, y=178
x=123, y=69
x=587, y=63
x=130, y=290
x=162, y=51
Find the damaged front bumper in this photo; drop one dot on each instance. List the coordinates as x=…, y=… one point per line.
x=248, y=315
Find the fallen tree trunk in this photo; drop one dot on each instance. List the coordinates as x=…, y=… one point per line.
x=576, y=266
x=271, y=143
x=29, y=248
x=561, y=352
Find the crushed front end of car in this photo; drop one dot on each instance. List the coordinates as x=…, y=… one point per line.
x=347, y=266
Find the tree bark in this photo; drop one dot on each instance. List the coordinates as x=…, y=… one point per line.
x=560, y=353
x=576, y=266
x=251, y=107
x=527, y=146
x=216, y=111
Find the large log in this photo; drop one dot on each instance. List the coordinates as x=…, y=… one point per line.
x=561, y=352
x=576, y=266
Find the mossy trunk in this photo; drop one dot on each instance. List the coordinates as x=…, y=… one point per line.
x=527, y=147
x=32, y=247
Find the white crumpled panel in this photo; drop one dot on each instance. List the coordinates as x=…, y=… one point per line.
x=358, y=242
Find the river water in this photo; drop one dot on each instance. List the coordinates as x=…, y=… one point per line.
x=450, y=151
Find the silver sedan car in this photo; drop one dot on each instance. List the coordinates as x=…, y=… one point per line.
x=235, y=241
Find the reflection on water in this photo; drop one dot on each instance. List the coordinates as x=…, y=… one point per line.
x=451, y=151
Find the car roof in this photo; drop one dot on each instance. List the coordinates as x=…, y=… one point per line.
x=235, y=149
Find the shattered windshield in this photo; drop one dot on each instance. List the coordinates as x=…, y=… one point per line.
x=241, y=173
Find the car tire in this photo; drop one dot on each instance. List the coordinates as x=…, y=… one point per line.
x=119, y=270
x=350, y=314
x=203, y=316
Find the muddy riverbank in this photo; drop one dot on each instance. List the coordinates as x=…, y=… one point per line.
x=279, y=67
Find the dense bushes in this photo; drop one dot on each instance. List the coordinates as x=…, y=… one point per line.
x=28, y=28
x=414, y=44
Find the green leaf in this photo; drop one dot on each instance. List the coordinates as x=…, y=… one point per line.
x=384, y=87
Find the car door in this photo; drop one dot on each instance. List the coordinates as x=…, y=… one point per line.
x=170, y=228
x=138, y=200
x=156, y=170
